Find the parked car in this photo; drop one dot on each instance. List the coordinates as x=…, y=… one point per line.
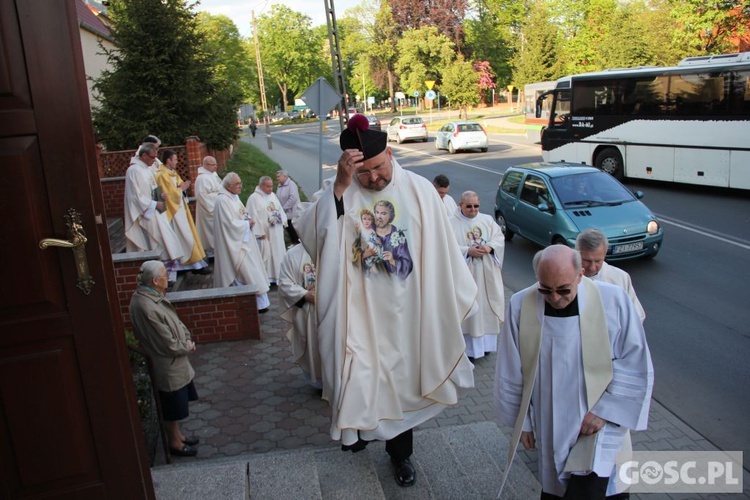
x=374, y=122
x=407, y=128
x=295, y=115
x=458, y=136
x=550, y=203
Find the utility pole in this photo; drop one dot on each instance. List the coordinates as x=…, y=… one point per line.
x=261, y=83
x=338, y=71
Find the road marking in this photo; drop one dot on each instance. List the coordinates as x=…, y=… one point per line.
x=432, y=155
x=704, y=232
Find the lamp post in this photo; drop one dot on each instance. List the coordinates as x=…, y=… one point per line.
x=364, y=90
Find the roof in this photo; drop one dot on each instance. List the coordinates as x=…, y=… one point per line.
x=557, y=169
x=89, y=21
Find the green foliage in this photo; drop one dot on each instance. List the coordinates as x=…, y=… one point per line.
x=707, y=26
x=460, y=84
x=538, y=57
x=161, y=80
x=424, y=54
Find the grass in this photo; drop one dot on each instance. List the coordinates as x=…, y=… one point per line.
x=250, y=163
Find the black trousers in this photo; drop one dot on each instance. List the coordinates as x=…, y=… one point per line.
x=590, y=487
x=402, y=446
x=293, y=238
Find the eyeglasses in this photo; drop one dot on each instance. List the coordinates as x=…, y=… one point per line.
x=471, y=206
x=563, y=291
x=366, y=174
x=152, y=156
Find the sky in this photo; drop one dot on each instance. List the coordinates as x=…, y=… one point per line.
x=240, y=11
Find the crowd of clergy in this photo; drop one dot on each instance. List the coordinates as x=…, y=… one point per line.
x=608, y=366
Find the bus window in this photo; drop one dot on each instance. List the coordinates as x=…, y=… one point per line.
x=561, y=107
x=594, y=98
x=646, y=96
x=740, y=104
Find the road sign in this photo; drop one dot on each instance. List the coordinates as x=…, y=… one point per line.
x=416, y=93
x=321, y=97
x=430, y=94
x=399, y=95
x=429, y=84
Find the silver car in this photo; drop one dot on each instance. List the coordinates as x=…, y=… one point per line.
x=407, y=128
x=455, y=136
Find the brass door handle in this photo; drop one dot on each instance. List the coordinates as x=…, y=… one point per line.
x=76, y=243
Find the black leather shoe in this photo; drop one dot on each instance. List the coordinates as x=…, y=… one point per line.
x=186, y=451
x=263, y=311
x=404, y=472
x=191, y=441
x=203, y=271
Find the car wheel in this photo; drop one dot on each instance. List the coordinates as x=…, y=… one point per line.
x=500, y=219
x=451, y=148
x=483, y=150
x=609, y=160
x=437, y=147
x=425, y=139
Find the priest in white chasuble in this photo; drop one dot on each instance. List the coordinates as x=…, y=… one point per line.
x=207, y=187
x=297, y=290
x=483, y=245
x=266, y=208
x=146, y=223
x=573, y=376
x=237, y=260
x=389, y=328
x=178, y=213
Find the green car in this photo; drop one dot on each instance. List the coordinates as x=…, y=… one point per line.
x=550, y=203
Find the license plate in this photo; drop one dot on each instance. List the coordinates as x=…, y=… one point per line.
x=630, y=247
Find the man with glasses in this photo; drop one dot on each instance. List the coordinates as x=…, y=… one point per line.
x=146, y=224
x=482, y=242
x=573, y=376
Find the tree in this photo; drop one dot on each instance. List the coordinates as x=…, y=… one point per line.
x=290, y=51
x=384, y=50
x=486, y=78
x=161, y=81
x=538, y=58
x=707, y=27
x=446, y=15
x=460, y=85
x=424, y=53
x=488, y=39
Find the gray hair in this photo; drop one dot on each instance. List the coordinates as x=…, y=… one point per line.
x=552, y=252
x=282, y=172
x=150, y=270
x=231, y=177
x=208, y=159
x=467, y=194
x=264, y=179
x=591, y=239
x=148, y=148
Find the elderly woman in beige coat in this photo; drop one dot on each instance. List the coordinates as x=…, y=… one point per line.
x=167, y=341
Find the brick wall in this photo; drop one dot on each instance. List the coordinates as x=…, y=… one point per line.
x=113, y=191
x=211, y=315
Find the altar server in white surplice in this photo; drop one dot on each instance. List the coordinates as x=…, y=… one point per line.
x=573, y=376
x=297, y=290
x=482, y=242
x=146, y=223
x=207, y=187
x=237, y=260
x=593, y=245
x=443, y=185
x=389, y=329
x=266, y=208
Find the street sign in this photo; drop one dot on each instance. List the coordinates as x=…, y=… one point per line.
x=321, y=97
x=430, y=94
x=429, y=84
x=416, y=93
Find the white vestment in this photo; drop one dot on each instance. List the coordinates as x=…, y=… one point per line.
x=146, y=228
x=297, y=278
x=558, y=400
x=236, y=255
x=616, y=276
x=390, y=339
x=270, y=218
x=450, y=205
x=207, y=186
x=481, y=328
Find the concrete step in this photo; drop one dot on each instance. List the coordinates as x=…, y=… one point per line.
x=116, y=232
x=458, y=462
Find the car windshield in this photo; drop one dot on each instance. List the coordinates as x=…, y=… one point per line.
x=590, y=189
x=469, y=127
x=411, y=121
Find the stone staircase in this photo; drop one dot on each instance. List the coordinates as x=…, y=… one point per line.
x=461, y=462
x=116, y=231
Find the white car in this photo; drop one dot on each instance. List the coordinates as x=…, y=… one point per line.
x=407, y=128
x=455, y=136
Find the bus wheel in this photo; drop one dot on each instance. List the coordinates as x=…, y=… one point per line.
x=610, y=161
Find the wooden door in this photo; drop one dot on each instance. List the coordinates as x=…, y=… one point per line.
x=68, y=424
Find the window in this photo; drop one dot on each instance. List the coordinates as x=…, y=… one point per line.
x=469, y=127
x=594, y=98
x=534, y=190
x=511, y=182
